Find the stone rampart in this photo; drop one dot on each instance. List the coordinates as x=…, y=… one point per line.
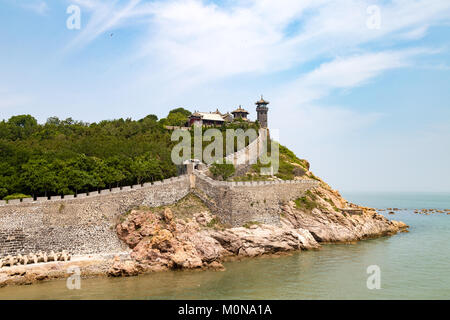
x=237, y=203
x=81, y=225
x=251, y=153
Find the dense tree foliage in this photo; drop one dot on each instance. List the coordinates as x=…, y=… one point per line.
x=177, y=117
x=67, y=156
x=222, y=170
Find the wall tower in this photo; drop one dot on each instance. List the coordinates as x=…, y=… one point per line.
x=261, y=109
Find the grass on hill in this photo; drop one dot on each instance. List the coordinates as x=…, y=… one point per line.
x=290, y=166
x=307, y=202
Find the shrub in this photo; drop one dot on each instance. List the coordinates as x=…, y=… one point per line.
x=307, y=202
x=285, y=170
x=224, y=170
x=299, y=172
x=212, y=223
x=3, y=192
x=291, y=157
x=332, y=204
x=251, y=223
x=16, y=196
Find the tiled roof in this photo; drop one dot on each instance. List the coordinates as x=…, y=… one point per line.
x=240, y=110
x=211, y=116
x=262, y=101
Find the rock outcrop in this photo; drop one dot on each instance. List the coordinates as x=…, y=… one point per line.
x=161, y=239
x=332, y=219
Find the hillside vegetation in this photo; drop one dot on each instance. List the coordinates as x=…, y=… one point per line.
x=290, y=167
x=69, y=157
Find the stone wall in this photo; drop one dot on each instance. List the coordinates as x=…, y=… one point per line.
x=85, y=224
x=250, y=153
x=81, y=225
x=237, y=203
x=215, y=195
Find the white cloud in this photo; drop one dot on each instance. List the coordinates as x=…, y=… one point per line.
x=196, y=41
x=37, y=6
x=415, y=34
x=348, y=72
x=105, y=16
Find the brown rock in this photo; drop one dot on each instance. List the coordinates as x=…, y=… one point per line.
x=215, y=265
x=168, y=215
x=161, y=242
x=123, y=269
x=186, y=258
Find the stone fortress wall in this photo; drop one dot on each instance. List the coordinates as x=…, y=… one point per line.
x=82, y=225
x=251, y=153
x=236, y=203
x=85, y=224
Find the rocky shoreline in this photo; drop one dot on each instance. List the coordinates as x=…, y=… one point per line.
x=188, y=236
x=89, y=266
x=426, y=212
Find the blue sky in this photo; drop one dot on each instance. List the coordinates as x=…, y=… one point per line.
x=364, y=95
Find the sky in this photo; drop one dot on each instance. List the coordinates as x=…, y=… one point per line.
x=361, y=89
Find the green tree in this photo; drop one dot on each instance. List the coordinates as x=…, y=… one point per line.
x=112, y=172
x=22, y=126
x=37, y=176
x=77, y=179
x=146, y=168
x=82, y=156
x=3, y=192
x=177, y=117
x=224, y=170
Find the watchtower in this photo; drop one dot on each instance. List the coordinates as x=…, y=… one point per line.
x=261, y=109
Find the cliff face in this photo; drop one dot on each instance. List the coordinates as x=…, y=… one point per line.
x=188, y=236
x=327, y=223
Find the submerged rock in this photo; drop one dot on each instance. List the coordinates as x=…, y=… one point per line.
x=123, y=269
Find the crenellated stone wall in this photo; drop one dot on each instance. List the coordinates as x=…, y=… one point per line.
x=85, y=224
x=251, y=153
x=81, y=225
x=236, y=203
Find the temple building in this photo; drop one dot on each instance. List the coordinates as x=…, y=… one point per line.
x=217, y=119
x=206, y=119
x=240, y=113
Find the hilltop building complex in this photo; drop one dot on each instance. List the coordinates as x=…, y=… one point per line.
x=216, y=118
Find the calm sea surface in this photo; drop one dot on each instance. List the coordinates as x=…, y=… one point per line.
x=413, y=265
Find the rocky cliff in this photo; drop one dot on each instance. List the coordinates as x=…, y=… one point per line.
x=188, y=236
